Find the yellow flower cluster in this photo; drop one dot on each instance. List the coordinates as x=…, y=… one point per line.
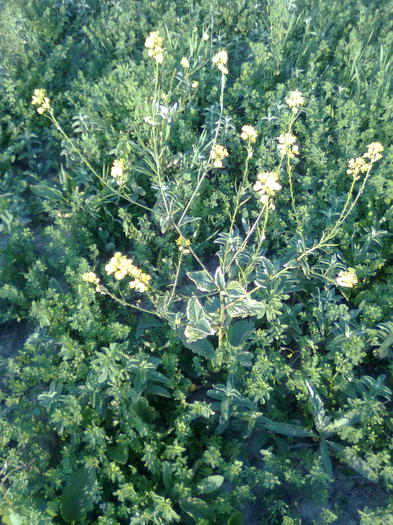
x=195, y=84
x=249, y=133
x=360, y=165
x=295, y=100
x=347, y=279
x=266, y=186
x=41, y=100
x=374, y=151
x=121, y=267
x=184, y=62
x=154, y=43
x=117, y=171
x=218, y=154
x=287, y=145
x=141, y=280
x=91, y=277
x=220, y=59
x=184, y=245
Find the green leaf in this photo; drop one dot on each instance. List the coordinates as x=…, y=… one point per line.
x=145, y=323
x=239, y=332
x=349, y=418
x=158, y=391
x=235, y=290
x=119, y=453
x=194, y=310
x=210, y=484
x=219, y=279
x=10, y=518
x=204, y=282
x=145, y=411
x=47, y=192
x=287, y=429
x=236, y=518
x=202, y=347
x=167, y=476
x=240, y=303
x=386, y=344
x=326, y=461
x=196, y=508
x=77, y=497
x=200, y=330
x=355, y=462
x=318, y=408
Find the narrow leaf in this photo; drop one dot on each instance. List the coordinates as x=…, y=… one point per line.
x=326, y=461
x=287, y=429
x=355, y=462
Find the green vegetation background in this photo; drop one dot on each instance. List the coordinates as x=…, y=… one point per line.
x=75, y=445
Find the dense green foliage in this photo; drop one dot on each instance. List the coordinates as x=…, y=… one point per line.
x=165, y=407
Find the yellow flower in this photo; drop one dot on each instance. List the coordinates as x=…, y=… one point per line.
x=218, y=154
x=117, y=171
x=90, y=277
x=154, y=44
x=356, y=166
x=220, y=59
x=347, y=279
x=141, y=281
x=205, y=37
x=121, y=267
x=294, y=100
x=287, y=146
x=266, y=186
x=183, y=245
x=374, y=151
x=40, y=99
x=185, y=63
x=249, y=133
x=195, y=84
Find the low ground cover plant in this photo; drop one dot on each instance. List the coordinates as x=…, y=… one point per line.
x=198, y=247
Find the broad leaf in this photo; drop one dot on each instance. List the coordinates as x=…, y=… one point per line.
x=199, y=330
x=77, y=497
x=145, y=411
x=239, y=332
x=236, y=518
x=201, y=347
x=119, y=453
x=194, y=310
x=203, y=281
x=196, y=508
x=210, y=484
x=219, y=279
x=158, y=391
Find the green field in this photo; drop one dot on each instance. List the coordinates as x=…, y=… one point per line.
x=196, y=262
